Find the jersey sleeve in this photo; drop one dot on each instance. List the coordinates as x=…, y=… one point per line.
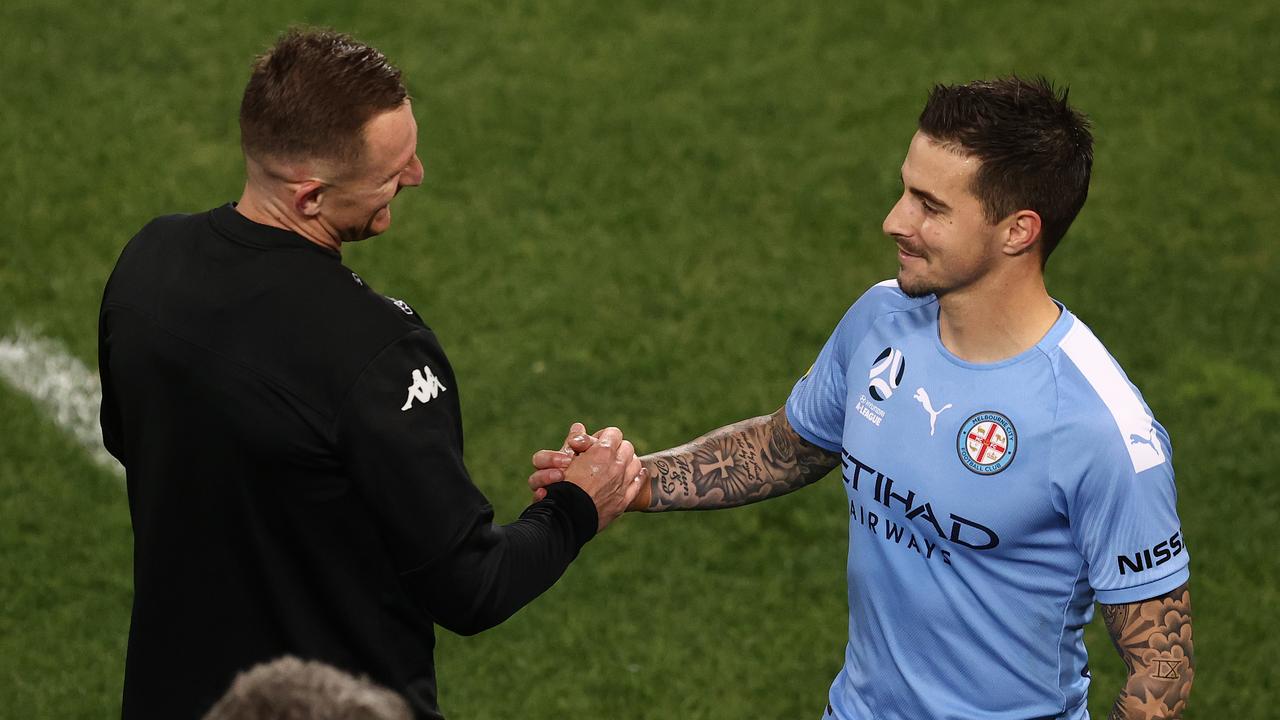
x=817, y=403
x=400, y=435
x=1125, y=522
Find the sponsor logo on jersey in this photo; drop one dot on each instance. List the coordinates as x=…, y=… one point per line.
x=922, y=396
x=1145, y=447
x=886, y=373
x=987, y=442
x=424, y=388
x=873, y=413
x=1152, y=557
x=933, y=534
x=404, y=306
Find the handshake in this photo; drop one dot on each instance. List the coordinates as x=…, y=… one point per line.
x=604, y=465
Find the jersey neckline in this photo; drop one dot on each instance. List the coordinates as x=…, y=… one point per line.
x=1044, y=346
x=229, y=222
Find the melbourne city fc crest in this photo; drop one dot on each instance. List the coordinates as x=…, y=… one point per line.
x=987, y=442
x=886, y=373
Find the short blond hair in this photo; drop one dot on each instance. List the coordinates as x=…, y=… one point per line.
x=293, y=689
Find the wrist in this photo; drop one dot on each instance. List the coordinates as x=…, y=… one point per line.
x=641, y=501
x=579, y=508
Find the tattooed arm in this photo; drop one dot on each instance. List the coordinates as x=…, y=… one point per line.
x=738, y=464
x=1154, y=639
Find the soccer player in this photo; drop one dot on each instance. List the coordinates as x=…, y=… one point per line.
x=292, y=439
x=1001, y=472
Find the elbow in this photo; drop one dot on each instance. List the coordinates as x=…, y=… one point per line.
x=467, y=608
x=468, y=624
x=468, y=629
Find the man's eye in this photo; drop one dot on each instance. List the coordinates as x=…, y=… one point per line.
x=928, y=208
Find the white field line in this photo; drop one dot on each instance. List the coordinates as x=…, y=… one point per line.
x=61, y=384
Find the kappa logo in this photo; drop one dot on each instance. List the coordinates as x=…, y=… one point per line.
x=886, y=373
x=424, y=388
x=923, y=398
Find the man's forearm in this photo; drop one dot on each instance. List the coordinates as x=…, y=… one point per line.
x=498, y=569
x=738, y=464
x=1154, y=639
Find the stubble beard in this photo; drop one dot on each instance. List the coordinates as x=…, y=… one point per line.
x=366, y=231
x=916, y=289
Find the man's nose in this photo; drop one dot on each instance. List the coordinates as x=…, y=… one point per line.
x=413, y=174
x=895, y=222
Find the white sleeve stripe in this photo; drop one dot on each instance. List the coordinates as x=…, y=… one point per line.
x=1133, y=422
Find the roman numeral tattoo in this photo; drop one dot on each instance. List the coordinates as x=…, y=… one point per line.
x=1153, y=638
x=736, y=465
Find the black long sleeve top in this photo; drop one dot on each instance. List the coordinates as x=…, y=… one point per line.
x=293, y=448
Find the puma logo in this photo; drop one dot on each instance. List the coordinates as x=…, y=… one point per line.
x=1136, y=439
x=923, y=398
x=1150, y=439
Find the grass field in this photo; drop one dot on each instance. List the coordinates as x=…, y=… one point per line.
x=651, y=215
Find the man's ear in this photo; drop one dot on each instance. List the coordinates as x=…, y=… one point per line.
x=308, y=196
x=1022, y=232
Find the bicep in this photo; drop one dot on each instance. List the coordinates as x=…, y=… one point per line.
x=794, y=458
x=1125, y=524
x=403, y=452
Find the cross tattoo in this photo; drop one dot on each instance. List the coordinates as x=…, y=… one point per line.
x=721, y=465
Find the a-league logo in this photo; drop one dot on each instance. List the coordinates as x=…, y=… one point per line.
x=886, y=373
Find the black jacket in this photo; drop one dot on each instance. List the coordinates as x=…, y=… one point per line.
x=293, y=447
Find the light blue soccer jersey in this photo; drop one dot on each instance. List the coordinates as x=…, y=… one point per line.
x=989, y=506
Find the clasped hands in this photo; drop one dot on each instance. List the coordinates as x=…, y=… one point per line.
x=604, y=465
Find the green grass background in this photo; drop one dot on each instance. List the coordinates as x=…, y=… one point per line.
x=651, y=215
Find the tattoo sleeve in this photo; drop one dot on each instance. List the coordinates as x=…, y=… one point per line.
x=1153, y=638
x=736, y=465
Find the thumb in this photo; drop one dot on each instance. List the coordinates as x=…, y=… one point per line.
x=575, y=430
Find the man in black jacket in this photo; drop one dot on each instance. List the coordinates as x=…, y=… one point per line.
x=292, y=439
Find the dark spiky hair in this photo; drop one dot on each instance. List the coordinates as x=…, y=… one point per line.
x=1035, y=149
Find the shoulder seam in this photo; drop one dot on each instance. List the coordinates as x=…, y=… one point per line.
x=1109, y=386
x=1054, y=434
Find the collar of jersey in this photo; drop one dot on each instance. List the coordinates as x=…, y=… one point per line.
x=1044, y=347
x=241, y=229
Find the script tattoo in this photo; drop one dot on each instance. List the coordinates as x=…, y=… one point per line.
x=736, y=465
x=667, y=479
x=1154, y=639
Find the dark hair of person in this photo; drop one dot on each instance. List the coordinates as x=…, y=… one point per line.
x=310, y=95
x=293, y=689
x=1036, y=150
